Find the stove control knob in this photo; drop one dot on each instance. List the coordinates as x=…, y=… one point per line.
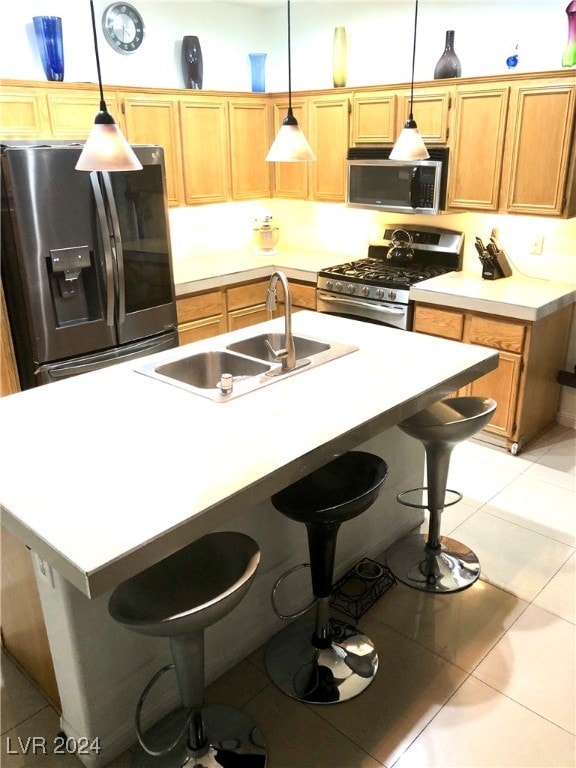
x=379, y=293
x=350, y=288
x=338, y=286
x=392, y=295
x=329, y=284
x=366, y=290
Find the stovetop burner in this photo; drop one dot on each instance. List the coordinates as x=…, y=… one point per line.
x=374, y=270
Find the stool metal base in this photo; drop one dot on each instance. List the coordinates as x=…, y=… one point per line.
x=453, y=568
x=234, y=741
x=321, y=676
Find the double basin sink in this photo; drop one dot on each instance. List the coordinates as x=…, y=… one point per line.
x=242, y=366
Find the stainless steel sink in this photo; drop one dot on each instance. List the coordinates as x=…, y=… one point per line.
x=249, y=362
x=257, y=347
x=205, y=369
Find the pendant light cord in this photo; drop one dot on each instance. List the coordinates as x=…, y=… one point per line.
x=102, y=102
x=289, y=66
x=411, y=116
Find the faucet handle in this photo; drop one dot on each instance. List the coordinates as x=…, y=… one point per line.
x=278, y=354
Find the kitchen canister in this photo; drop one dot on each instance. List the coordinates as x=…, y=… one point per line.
x=48, y=32
x=448, y=64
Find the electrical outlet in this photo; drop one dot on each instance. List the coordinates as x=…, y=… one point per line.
x=537, y=245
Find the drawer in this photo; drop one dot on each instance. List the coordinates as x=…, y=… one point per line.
x=438, y=322
x=199, y=305
x=248, y=295
x=499, y=334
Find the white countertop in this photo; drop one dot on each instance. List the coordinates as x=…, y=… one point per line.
x=205, y=272
x=518, y=297
x=106, y=473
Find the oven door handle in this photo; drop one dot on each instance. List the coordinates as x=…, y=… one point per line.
x=354, y=303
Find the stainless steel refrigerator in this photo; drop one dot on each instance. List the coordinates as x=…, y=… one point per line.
x=86, y=261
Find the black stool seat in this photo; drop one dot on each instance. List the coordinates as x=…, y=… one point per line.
x=327, y=661
x=336, y=492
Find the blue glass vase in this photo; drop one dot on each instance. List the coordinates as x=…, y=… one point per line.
x=257, y=65
x=48, y=30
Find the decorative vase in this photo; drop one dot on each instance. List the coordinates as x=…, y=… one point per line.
x=569, y=57
x=257, y=66
x=48, y=31
x=192, y=65
x=512, y=60
x=448, y=64
x=339, y=65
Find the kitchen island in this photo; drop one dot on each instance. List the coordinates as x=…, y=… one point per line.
x=105, y=474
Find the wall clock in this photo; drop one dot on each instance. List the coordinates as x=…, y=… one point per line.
x=123, y=27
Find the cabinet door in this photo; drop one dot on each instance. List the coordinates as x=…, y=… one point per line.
x=477, y=148
x=249, y=144
x=543, y=125
x=374, y=118
x=155, y=121
x=446, y=323
x=290, y=179
x=431, y=108
x=205, y=150
x=23, y=114
x=72, y=113
x=200, y=316
x=502, y=385
x=329, y=117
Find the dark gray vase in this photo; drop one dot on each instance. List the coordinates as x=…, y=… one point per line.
x=448, y=64
x=192, y=65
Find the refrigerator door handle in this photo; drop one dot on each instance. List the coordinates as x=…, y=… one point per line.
x=108, y=261
x=119, y=250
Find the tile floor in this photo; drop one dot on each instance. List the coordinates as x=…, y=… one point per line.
x=484, y=677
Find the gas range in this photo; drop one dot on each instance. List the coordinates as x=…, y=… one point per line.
x=376, y=288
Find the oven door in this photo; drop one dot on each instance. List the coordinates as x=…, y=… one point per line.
x=394, y=315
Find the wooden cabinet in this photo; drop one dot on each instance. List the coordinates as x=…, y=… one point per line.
x=250, y=141
x=530, y=355
x=477, y=147
x=432, y=109
x=23, y=113
x=290, y=180
x=153, y=119
x=205, y=149
x=328, y=137
x=374, y=118
x=540, y=140
x=72, y=112
x=201, y=316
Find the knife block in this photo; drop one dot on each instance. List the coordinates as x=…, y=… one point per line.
x=497, y=268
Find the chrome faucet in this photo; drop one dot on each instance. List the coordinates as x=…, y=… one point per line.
x=288, y=354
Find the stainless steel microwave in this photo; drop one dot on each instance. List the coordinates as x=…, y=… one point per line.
x=400, y=186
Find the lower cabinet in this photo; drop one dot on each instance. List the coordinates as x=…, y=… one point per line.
x=530, y=355
x=207, y=314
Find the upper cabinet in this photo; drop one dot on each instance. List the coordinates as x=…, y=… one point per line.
x=539, y=144
x=477, y=147
x=511, y=138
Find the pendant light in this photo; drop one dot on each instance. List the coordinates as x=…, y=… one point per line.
x=290, y=145
x=105, y=149
x=410, y=145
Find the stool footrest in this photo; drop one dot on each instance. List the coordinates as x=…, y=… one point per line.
x=450, y=498
x=302, y=611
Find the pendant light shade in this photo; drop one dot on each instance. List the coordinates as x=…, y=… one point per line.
x=290, y=145
x=409, y=144
x=105, y=149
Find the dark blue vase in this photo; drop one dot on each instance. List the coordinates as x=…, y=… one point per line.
x=48, y=30
x=192, y=66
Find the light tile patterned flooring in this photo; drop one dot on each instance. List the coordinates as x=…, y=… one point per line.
x=483, y=678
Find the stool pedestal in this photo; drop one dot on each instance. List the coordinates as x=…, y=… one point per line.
x=323, y=660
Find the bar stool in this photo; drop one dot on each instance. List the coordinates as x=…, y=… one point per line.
x=177, y=598
x=435, y=563
x=325, y=660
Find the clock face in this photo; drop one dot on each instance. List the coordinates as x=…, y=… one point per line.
x=123, y=27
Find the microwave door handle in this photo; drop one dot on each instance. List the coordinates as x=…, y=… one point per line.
x=415, y=187
x=106, y=245
x=119, y=251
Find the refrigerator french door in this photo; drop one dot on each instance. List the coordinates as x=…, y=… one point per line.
x=86, y=261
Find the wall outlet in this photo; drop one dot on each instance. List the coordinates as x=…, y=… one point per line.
x=537, y=245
